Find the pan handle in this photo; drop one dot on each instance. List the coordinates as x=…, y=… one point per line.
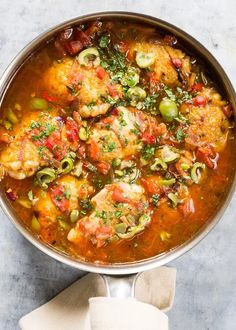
x=120, y=286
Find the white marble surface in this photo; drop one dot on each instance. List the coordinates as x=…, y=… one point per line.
x=206, y=286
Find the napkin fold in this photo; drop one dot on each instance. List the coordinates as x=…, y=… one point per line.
x=84, y=305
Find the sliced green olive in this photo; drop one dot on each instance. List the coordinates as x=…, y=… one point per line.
x=38, y=103
x=185, y=166
x=144, y=60
x=120, y=228
x=89, y=57
x=144, y=219
x=195, y=171
x=164, y=235
x=67, y=165
x=173, y=198
x=131, y=77
x=168, y=109
x=83, y=134
x=169, y=156
x=116, y=162
x=158, y=164
x=74, y=215
x=136, y=94
x=168, y=182
x=119, y=173
x=11, y=116
x=45, y=176
x=35, y=225
x=131, y=232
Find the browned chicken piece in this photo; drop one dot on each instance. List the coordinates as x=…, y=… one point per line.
x=120, y=211
x=63, y=196
x=163, y=65
x=208, y=124
x=70, y=81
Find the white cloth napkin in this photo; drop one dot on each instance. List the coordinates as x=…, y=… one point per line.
x=76, y=308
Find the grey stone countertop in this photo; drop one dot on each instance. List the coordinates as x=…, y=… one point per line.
x=206, y=278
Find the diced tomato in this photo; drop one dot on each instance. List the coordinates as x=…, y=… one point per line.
x=112, y=90
x=197, y=87
x=93, y=28
x=58, y=197
x=82, y=37
x=151, y=185
x=94, y=150
x=118, y=196
x=56, y=145
x=52, y=140
x=73, y=47
x=49, y=98
x=199, y=101
x=228, y=110
x=207, y=155
x=176, y=62
x=108, y=120
x=148, y=138
x=71, y=130
x=101, y=73
x=187, y=207
x=103, y=167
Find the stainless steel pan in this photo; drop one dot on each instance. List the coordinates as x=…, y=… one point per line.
x=219, y=75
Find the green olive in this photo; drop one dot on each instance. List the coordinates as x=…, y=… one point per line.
x=116, y=162
x=121, y=228
x=168, y=109
x=131, y=77
x=169, y=156
x=173, y=198
x=136, y=94
x=45, y=176
x=144, y=60
x=158, y=164
x=38, y=103
x=167, y=182
x=67, y=165
x=89, y=57
x=195, y=171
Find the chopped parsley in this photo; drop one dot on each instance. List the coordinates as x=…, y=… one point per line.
x=155, y=199
x=180, y=135
x=148, y=151
x=104, y=41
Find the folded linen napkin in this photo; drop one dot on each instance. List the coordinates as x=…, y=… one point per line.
x=77, y=308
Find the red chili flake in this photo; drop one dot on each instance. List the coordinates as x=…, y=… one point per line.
x=11, y=195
